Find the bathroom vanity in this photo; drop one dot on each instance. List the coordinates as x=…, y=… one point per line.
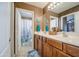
x=56, y=45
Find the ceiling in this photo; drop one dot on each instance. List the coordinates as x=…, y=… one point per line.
x=64, y=6
x=58, y=9
x=38, y=4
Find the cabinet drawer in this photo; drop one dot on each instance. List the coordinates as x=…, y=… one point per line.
x=71, y=50
x=55, y=43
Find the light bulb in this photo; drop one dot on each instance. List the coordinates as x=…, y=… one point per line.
x=58, y=3
x=48, y=7
x=51, y=4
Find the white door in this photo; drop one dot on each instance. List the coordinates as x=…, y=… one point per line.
x=5, y=9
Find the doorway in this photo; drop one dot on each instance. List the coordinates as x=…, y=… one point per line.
x=24, y=32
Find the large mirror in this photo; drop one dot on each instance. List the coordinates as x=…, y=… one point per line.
x=68, y=16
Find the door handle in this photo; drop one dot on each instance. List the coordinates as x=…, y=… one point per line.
x=9, y=39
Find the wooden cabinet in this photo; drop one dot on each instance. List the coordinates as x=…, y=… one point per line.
x=52, y=48
x=56, y=48
x=55, y=43
x=38, y=44
x=71, y=50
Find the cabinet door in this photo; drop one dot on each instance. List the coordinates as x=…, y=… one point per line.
x=40, y=46
x=71, y=50
x=44, y=50
x=35, y=42
x=55, y=43
x=47, y=50
x=61, y=54
x=44, y=47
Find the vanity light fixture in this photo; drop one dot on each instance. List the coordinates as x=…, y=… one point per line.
x=53, y=5
x=49, y=7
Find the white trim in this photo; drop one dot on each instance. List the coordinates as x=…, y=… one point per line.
x=12, y=30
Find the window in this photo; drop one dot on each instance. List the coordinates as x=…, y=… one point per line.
x=68, y=23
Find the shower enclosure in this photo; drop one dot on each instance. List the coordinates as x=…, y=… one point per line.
x=26, y=31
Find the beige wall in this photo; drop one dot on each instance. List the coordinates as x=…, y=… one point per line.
x=38, y=12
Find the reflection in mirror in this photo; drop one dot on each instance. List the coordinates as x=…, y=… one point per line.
x=68, y=23
x=53, y=23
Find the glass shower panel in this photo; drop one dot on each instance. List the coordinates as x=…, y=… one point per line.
x=26, y=31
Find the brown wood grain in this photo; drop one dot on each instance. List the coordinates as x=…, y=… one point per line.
x=35, y=42
x=40, y=46
x=72, y=50
x=61, y=53
x=55, y=43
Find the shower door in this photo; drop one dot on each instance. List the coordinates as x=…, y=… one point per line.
x=26, y=32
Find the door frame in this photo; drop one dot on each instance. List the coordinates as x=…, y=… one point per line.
x=12, y=30
x=32, y=28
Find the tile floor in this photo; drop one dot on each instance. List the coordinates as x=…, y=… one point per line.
x=24, y=50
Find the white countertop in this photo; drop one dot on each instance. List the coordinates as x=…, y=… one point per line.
x=71, y=39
